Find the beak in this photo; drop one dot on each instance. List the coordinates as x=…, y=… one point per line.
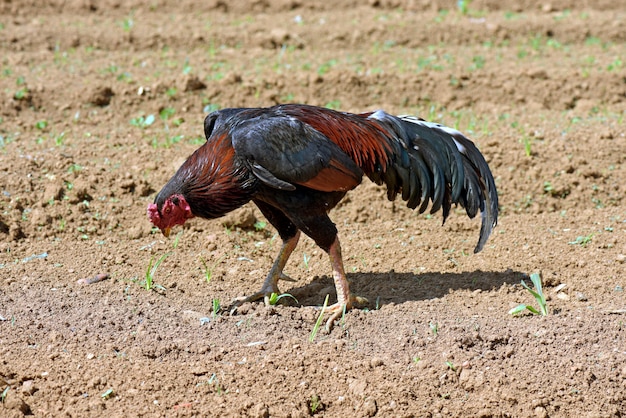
x=166, y=232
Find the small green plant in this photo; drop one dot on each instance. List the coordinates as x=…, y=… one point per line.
x=315, y=403
x=74, y=168
x=275, y=297
x=434, y=327
x=305, y=260
x=177, y=239
x=582, y=240
x=260, y=225
x=478, y=62
x=318, y=323
x=325, y=67
x=213, y=380
x=441, y=15
x=216, y=307
x=333, y=104
x=166, y=113
x=21, y=93
x=528, y=145
x=41, y=124
x=142, y=121
x=537, y=294
x=151, y=271
x=106, y=395
x=615, y=65
x=208, y=270
x=59, y=139
x=463, y=6
x=4, y=394
x=127, y=23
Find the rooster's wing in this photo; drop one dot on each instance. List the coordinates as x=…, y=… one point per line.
x=282, y=151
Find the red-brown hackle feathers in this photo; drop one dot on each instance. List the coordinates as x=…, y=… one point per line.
x=212, y=182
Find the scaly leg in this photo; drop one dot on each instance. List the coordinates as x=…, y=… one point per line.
x=270, y=285
x=345, y=300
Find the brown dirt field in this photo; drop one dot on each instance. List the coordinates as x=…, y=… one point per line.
x=539, y=86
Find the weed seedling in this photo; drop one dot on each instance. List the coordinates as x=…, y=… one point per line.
x=305, y=259
x=315, y=403
x=528, y=145
x=582, y=240
x=260, y=225
x=177, y=239
x=208, y=270
x=434, y=327
x=151, y=271
x=318, y=323
x=142, y=122
x=537, y=294
x=106, y=395
x=216, y=308
x=275, y=297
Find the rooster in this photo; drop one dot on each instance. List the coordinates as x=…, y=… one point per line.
x=296, y=162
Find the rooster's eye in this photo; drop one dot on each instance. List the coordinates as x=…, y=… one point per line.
x=167, y=210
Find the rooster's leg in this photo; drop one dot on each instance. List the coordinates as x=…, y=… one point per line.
x=345, y=299
x=270, y=285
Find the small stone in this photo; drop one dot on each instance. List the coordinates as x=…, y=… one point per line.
x=562, y=296
x=376, y=362
x=540, y=412
x=28, y=387
x=621, y=258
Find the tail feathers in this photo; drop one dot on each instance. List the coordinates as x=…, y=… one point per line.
x=436, y=165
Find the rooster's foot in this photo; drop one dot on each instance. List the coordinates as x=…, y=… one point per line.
x=338, y=310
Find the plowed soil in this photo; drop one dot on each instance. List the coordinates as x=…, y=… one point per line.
x=103, y=100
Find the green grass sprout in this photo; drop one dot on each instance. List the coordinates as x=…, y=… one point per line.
x=151, y=271
x=537, y=294
x=216, y=307
x=208, y=270
x=318, y=323
x=107, y=394
x=275, y=297
x=582, y=240
x=177, y=239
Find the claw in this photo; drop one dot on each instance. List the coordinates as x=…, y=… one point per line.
x=338, y=311
x=286, y=278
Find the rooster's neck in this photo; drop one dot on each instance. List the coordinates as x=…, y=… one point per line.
x=216, y=182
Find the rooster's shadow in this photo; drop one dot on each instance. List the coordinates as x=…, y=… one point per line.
x=381, y=288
